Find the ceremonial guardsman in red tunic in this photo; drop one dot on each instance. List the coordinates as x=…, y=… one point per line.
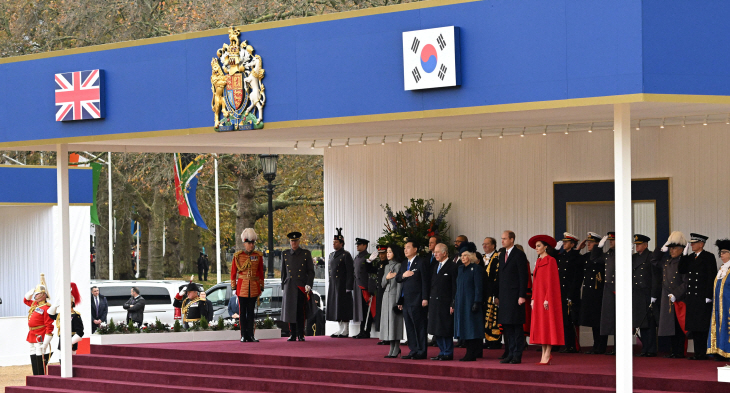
x=247, y=282
x=77, y=325
x=40, y=326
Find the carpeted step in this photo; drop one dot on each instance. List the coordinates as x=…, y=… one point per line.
x=353, y=377
x=78, y=384
x=424, y=368
x=197, y=376
x=34, y=389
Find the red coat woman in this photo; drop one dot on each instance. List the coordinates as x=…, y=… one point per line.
x=547, y=314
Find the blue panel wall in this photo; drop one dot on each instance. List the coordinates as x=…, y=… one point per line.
x=38, y=185
x=687, y=47
x=512, y=52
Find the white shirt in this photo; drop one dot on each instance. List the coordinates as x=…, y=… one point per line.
x=487, y=257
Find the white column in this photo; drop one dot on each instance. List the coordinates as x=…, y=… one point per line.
x=64, y=258
x=111, y=221
x=137, y=253
x=217, y=225
x=622, y=177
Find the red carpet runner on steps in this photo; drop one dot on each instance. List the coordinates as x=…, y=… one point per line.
x=330, y=365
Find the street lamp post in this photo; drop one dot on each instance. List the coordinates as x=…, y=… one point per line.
x=268, y=164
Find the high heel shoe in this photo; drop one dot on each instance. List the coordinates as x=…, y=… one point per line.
x=550, y=361
x=394, y=356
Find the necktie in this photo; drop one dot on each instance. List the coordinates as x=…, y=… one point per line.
x=409, y=265
x=97, y=305
x=439, y=269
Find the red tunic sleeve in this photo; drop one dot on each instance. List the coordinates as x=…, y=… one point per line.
x=27, y=302
x=234, y=271
x=261, y=272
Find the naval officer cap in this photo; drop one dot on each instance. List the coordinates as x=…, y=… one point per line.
x=594, y=237
x=696, y=237
x=640, y=239
x=569, y=237
x=294, y=235
x=360, y=242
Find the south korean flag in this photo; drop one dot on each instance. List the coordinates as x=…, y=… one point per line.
x=431, y=58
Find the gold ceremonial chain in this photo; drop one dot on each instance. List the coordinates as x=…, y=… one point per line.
x=34, y=306
x=185, y=309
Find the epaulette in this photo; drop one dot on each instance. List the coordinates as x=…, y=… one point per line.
x=236, y=254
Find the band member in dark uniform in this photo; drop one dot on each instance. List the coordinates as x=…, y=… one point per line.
x=365, y=301
x=383, y=262
x=192, y=306
x=700, y=267
x=40, y=326
x=247, y=282
x=646, y=286
x=297, y=277
x=342, y=280
x=592, y=296
x=569, y=270
x=77, y=325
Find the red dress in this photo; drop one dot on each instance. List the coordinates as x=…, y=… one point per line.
x=547, y=325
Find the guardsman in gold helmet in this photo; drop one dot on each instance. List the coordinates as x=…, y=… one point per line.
x=40, y=326
x=247, y=282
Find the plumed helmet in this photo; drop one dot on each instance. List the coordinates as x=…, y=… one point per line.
x=676, y=239
x=249, y=235
x=75, y=294
x=42, y=287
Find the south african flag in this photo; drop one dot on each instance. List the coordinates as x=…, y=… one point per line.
x=187, y=167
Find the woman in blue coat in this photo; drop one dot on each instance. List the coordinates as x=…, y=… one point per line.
x=468, y=316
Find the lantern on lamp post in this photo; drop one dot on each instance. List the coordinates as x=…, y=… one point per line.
x=268, y=165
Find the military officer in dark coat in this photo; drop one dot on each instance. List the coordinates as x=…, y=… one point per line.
x=608, y=305
x=364, y=303
x=674, y=288
x=700, y=267
x=441, y=302
x=297, y=277
x=514, y=274
x=383, y=262
x=341, y=283
x=646, y=286
x=569, y=270
x=594, y=269
x=193, y=307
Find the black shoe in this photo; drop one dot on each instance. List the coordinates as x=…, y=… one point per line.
x=515, y=361
x=419, y=357
x=612, y=353
x=301, y=337
x=343, y=336
x=640, y=355
x=650, y=355
x=381, y=342
x=451, y=357
x=571, y=350
x=437, y=357
x=562, y=350
x=591, y=352
x=698, y=357
x=364, y=335
x=505, y=360
x=432, y=343
x=674, y=356
x=292, y=338
x=407, y=357
x=504, y=356
x=466, y=359
x=359, y=335
x=335, y=335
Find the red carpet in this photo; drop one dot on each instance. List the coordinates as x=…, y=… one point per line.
x=330, y=365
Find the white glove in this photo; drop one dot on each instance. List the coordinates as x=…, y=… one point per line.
x=29, y=295
x=53, y=309
x=653, y=300
x=307, y=288
x=75, y=339
x=182, y=291
x=373, y=257
x=349, y=291
x=687, y=249
x=559, y=245
x=603, y=241
x=664, y=247
x=672, y=298
x=707, y=300
x=46, y=342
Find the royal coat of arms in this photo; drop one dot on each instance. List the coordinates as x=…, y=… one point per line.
x=238, y=92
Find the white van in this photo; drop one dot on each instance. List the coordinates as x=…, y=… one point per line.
x=158, y=295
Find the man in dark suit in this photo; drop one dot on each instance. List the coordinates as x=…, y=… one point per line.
x=646, y=286
x=414, y=277
x=135, y=307
x=99, y=309
x=512, y=289
x=441, y=304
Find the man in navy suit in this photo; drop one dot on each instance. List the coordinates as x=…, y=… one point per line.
x=414, y=275
x=99, y=309
x=512, y=293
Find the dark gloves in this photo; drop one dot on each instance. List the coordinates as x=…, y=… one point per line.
x=400, y=301
x=475, y=307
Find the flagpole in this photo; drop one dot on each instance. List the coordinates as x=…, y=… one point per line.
x=217, y=225
x=111, y=223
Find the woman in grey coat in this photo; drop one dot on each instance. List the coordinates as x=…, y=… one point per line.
x=391, y=318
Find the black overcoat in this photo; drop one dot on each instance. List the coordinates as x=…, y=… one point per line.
x=511, y=285
x=441, y=299
x=646, y=284
x=342, y=280
x=594, y=269
x=415, y=287
x=701, y=271
x=569, y=271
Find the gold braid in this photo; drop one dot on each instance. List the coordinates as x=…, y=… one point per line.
x=186, y=305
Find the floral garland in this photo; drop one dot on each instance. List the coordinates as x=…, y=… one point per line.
x=159, y=327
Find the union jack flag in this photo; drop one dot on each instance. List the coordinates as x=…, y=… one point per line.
x=79, y=95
